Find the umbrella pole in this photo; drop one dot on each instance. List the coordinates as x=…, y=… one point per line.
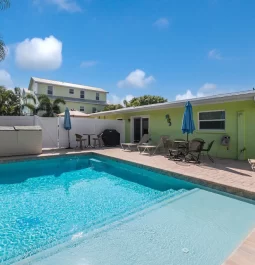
x=69, y=146
x=69, y=138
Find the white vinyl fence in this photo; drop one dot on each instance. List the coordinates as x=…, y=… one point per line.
x=89, y=126
x=49, y=131
x=53, y=132
x=17, y=120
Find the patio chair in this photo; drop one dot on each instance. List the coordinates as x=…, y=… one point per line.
x=194, y=150
x=80, y=140
x=252, y=163
x=207, y=150
x=98, y=140
x=152, y=149
x=177, y=149
x=133, y=146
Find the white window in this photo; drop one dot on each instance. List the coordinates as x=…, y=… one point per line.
x=211, y=120
x=82, y=108
x=94, y=110
x=82, y=93
x=50, y=90
x=97, y=96
x=71, y=91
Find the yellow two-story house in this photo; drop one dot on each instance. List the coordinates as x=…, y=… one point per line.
x=78, y=97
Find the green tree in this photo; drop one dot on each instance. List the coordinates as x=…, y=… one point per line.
x=3, y=5
x=112, y=107
x=144, y=100
x=9, y=102
x=49, y=108
x=24, y=101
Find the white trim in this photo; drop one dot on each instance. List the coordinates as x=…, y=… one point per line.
x=217, y=99
x=212, y=130
x=65, y=84
x=132, y=125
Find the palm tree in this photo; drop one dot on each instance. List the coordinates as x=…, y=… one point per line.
x=23, y=101
x=3, y=5
x=125, y=103
x=49, y=109
x=8, y=102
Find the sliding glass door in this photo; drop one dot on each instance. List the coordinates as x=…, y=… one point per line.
x=140, y=127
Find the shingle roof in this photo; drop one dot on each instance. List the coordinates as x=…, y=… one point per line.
x=59, y=83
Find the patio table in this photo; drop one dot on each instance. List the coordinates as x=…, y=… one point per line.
x=180, y=150
x=89, y=143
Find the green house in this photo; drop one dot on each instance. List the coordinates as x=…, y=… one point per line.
x=78, y=97
x=231, y=115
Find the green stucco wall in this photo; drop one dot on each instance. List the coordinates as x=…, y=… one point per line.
x=76, y=105
x=159, y=126
x=60, y=92
x=64, y=92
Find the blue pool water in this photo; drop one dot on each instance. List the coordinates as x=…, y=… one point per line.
x=47, y=203
x=44, y=202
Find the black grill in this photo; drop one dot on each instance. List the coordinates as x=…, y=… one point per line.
x=111, y=137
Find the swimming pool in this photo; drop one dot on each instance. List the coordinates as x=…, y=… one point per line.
x=55, y=202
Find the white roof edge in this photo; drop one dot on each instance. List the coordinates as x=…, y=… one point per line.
x=221, y=98
x=66, y=84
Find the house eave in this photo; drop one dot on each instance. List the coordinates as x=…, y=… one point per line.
x=238, y=96
x=69, y=85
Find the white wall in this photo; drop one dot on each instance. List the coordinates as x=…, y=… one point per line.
x=54, y=136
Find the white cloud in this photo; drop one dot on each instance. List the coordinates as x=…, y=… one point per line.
x=39, y=54
x=207, y=89
x=87, y=64
x=161, y=23
x=66, y=5
x=136, y=79
x=184, y=96
x=114, y=99
x=5, y=79
x=214, y=54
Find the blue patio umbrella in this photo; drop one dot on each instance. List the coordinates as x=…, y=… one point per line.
x=187, y=120
x=67, y=124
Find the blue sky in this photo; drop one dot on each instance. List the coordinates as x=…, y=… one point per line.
x=177, y=49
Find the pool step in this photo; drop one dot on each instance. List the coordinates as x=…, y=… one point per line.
x=106, y=225
x=96, y=164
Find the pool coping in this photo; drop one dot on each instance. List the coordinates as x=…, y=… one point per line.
x=244, y=254
x=243, y=193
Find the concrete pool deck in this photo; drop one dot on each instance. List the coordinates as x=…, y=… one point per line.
x=227, y=175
